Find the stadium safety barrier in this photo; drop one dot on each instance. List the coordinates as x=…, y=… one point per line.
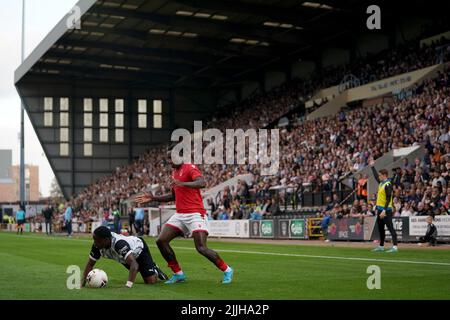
x=408, y=229
x=279, y=229
x=315, y=228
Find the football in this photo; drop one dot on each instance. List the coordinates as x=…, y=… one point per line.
x=97, y=279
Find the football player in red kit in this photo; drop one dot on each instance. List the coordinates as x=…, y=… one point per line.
x=189, y=219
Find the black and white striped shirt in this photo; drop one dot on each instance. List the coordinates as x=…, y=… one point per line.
x=121, y=248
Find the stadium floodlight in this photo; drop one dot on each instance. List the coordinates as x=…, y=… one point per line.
x=237, y=40
x=184, y=13
x=317, y=5
x=202, y=15
x=219, y=17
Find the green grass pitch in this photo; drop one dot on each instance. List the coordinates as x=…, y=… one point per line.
x=34, y=267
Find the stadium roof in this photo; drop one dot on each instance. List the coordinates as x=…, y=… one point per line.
x=191, y=43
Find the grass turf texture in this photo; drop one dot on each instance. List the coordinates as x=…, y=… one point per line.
x=34, y=267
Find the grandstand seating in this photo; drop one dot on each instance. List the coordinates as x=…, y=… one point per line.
x=316, y=154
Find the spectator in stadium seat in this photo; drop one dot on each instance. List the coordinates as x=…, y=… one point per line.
x=421, y=209
x=407, y=211
x=224, y=214
x=211, y=208
x=236, y=209
x=274, y=208
x=257, y=212
x=361, y=187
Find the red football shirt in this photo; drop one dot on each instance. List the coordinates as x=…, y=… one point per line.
x=187, y=200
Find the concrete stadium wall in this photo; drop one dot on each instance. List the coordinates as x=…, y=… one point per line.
x=371, y=44
x=302, y=69
x=409, y=29
x=335, y=57
x=273, y=79
x=179, y=109
x=249, y=88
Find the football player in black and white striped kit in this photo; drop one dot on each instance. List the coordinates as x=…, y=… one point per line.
x=132, y=252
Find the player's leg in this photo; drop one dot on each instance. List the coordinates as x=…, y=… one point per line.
x=390, y=226
x=382, y=233
x=150, y=272
x=200, y=238
x=197, y=225
x=169, y=232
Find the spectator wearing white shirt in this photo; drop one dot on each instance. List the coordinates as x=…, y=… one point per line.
x=407, y=210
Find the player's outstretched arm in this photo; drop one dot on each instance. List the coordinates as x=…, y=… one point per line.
x=134, y=268
x=149, y=197
x=165, y=197
x=89, y=266
x=198, y=183
x=375, y=173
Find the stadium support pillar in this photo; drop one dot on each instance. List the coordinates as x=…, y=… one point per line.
x=72, y=139
x=22, y=117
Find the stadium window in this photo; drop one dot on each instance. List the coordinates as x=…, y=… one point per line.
x=87, y=134
x=87, y=105
x=64, y=104
x=119, y=135
x=103, y=120
x=103, y=135
x=142, y=114
x=64, y=134
x=64, y=126
x=48, y=104
x=64, y=119
x=48, y=119
x=88, y=120
x=48, y=111
x=88, y=149
x=157, y=114
x=63, y=149
x=119, y=120
x=119, y=105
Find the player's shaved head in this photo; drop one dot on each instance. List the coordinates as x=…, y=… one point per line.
x=102, y=237
x=103, y=232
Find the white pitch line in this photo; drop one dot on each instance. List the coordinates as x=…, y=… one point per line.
x=323, y=257
x=280, y=254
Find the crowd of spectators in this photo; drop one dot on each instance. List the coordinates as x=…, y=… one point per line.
x=314, y=155
x=421, y=187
